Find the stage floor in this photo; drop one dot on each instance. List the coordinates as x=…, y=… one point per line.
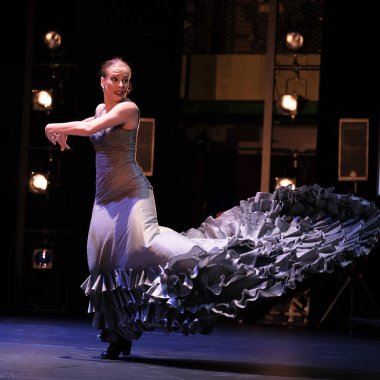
x=35, y=347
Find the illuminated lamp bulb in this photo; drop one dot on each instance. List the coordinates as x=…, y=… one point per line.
x=38, y=183
x=294, y=41
x=284, y=182
x=52, y=40
x=289, y=103
x=42, y=100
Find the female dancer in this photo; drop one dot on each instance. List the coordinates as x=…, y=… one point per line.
x=143, y=275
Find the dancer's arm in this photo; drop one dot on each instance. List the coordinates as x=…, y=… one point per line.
x=125, y=114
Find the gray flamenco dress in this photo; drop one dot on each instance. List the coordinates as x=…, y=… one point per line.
x=144, y=276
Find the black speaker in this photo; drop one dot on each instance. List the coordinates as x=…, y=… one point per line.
x=353, y=149
x=145, y=145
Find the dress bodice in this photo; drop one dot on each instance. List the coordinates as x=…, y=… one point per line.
x=117, y=172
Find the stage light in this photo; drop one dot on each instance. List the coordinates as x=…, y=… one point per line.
x=285, y=181
x=53, y=40
x=43, y=258
x=38, y=183
x=294, y=41
x=42, y=100
x=289, y=103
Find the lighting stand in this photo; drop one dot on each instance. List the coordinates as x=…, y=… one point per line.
x=349, y=281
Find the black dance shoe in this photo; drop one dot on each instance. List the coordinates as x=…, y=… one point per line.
x=115, y=349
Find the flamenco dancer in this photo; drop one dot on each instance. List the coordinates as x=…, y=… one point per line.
x=142, y=275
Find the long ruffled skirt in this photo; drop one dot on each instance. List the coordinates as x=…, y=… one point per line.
x=259, y=249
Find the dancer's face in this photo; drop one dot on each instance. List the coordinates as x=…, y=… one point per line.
x=115, y=84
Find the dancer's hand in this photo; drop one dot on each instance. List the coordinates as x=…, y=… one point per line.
x=61, y=139
x=51, y=135
x=56, y=137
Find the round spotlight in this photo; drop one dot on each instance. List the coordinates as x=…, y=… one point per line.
x=38, y=183
x=294, y=41
x=53, y=40
x=285, y=181
x=43, y=258
x=289, y=103
x=42, y=100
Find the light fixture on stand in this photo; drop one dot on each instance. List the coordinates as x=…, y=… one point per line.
x=284, y=182
x=42, y=258
x=42, y=100
x=38, y=182
x=45, y=174
x=288, y=103
x=52, y=40
x=294, y=98
x=294, y=41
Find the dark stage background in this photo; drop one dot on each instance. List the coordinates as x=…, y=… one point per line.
x=148, y=34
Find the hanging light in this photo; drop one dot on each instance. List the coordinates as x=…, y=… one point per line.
x=53, y=40
x=292, y=102
x=289, y=103
x=294, y=41
x=38, y=183
x=42, y=258
x=42, y=100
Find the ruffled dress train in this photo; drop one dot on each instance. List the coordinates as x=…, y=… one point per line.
x=264, y=247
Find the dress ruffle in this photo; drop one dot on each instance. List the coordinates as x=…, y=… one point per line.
x=261, y=248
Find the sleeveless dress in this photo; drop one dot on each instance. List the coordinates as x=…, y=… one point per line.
x=144, y=276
